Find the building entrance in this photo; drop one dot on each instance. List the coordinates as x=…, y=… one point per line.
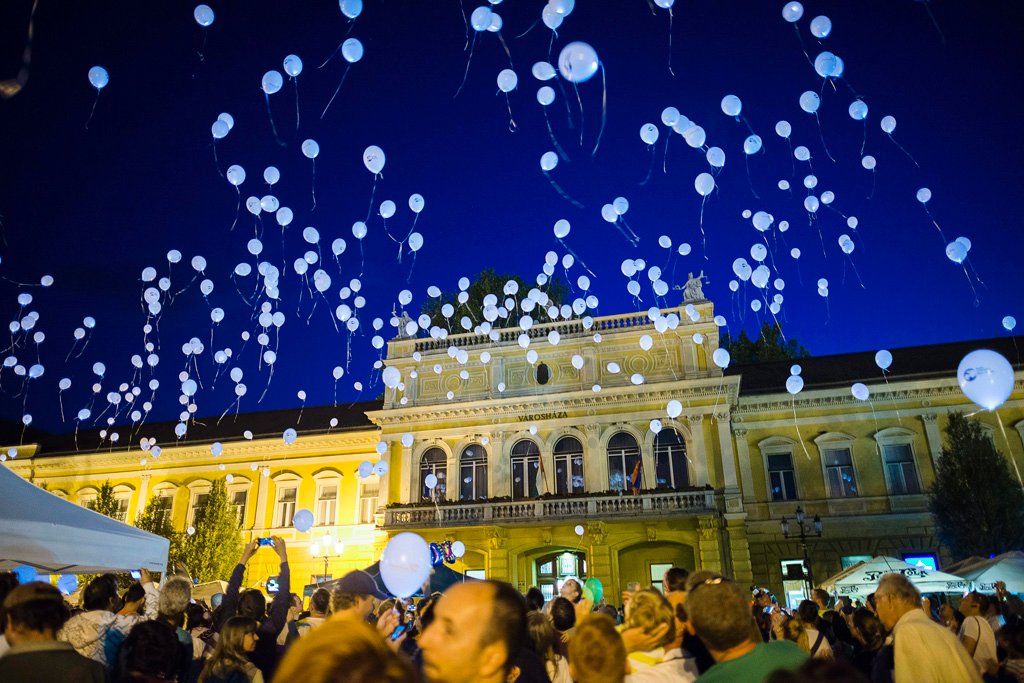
x=552, y=570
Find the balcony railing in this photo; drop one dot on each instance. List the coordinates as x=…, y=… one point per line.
x=666, y=503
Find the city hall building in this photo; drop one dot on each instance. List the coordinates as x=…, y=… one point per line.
x=554, y=468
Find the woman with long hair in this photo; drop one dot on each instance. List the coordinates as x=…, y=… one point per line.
x=230, y=662
x=869, y=633
x=545, y=638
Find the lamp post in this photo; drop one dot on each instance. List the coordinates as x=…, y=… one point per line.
x=805, y=531
x=326, y=550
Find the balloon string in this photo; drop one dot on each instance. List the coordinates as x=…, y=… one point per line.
x=469, y=59
x=578, y=259
x=336, y=91
x=93, y=110
x=60, y=401
x=854, y=266
x=530, y=28
x=270, y=115
x=238, y=208
x=973, y=290
x=604, y=111
x=369, y=209
x=935, y=223
x=650, y=167
x=465, y=21
x=664, y=163
x=216, y=161
x=799, y=436
x=507, y=53
x=792, y=164
x=864, y=139
x=902, y=149
x=632, y=236
x=670, y=42
x=511, y=121
x=579, y=101
x=1009, y=449
x=558, y=188
x=750, y=182
x=803, y=47
x=551, y=133
x=821, y=134
x=703, y=237
x=296, y=81
x=411, y=266
x=312, y=189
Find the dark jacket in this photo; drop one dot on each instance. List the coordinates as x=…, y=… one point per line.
x=267, y=654
x=51, y=661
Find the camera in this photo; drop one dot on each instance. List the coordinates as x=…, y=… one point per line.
x=265, y=542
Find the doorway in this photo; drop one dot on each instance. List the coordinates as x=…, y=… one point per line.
x=552, y=570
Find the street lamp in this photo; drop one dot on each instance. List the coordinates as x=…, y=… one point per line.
x=805, y=531
x=326, y=549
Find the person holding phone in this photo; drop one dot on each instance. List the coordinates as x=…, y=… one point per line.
x=253, y=604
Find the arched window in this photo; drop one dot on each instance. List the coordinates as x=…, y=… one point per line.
x=433, y=462
x=623, y=462
x=568, y=466
x=526, y=473
x=670, y=460
x=473, y=473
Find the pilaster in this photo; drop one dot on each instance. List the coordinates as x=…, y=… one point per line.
x=739, y=549
x=931, y=431
x=699, y=453
x=143, y=496
x=746, y=470
x=709, y=544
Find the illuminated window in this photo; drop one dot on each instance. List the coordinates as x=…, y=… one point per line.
x=781, y=479
x=473, y=473
x=623, y=461
x=327, y=503
x=670, y=460
x=568, y=466
x=900, y=468
x=369, y=491
x=842, y=482
x=526, y=474
x=433, y=462
x=286, y=499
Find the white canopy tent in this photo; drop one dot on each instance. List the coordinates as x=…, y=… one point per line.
x=861, y=579
x=1008, y=568
x=44, y=531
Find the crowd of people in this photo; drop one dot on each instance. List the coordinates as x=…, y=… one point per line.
x=700, y=627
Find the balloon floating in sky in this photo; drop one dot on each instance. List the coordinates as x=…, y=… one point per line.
x=986, y=378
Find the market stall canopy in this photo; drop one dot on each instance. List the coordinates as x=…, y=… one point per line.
x=862, y=578
x=53, y=535
x=1008, y=568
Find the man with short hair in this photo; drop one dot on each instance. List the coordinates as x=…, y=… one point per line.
x=596, y=652
x=563, y=618
x=476, y=635
x=319, y=610
x=175, y=597
x=354, y=596
x=719, y=613
x=99, y=631
x=674, y=580
x=925, y=652
x=976, y=633
x=33, y=613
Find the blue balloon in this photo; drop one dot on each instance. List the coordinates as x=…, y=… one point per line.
x=25, y=573
x=303, y=520
x=67, y=584
x=99, y=77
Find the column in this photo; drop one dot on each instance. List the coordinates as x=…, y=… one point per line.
x=384, y=489
x=699, y=457
x=595, y=466
x=650, y=471
x=599, y=556
x=709, y=549
x=931, y=431
x=498, y=483
x=407, y=472
x=262, y=493
x=728, y=454
x=746, y=473
x=739, y=548
x=452, y=475
x=140, y=504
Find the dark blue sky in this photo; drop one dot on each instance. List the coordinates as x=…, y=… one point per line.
x=93, y=207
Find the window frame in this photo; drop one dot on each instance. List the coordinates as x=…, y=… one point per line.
x=474, y=464
x=524, y=460
x=169, y=492
x=566, y=458
x=666, y=450
x=624, y=454
x=196, y=489
x=896, y=436
x=322, y=504
x=779, y=445
x=838, y=441
x=123, y=494
x=438, y=464
x=361, y=497
x=287, y=482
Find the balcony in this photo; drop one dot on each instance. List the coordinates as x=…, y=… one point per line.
x=607, y=507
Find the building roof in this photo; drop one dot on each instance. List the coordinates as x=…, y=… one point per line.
x=908, y=363
x=264, y=424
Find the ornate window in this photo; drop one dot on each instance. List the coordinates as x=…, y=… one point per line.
x=897, y=446
x=122, y=497
x=287, y=499
x=369, y=490
x=433, y=462
x=527, y=476
x=781, y=476
x=327, y=502
x=837, y=463
x=568, y=466
x=198, y=494
x=163, y=504
x=473, y=473
x=670, y=460
x=623, y=462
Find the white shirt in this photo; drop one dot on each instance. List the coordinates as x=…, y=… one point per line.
x=824, y=650
x=673, y=668
x=928, y=653
x=978, y=629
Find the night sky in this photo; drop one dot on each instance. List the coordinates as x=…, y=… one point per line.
x=94, y=206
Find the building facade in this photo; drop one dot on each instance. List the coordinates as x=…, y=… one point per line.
x=614, y=449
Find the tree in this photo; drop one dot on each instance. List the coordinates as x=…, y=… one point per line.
x=212, y=551
x=156, y=519
x=487, y=282
x=105, y=503
x=978, y=505
x=771, y=345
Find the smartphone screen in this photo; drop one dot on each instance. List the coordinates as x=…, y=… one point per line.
x=136, y=574
x=266, y=541
x=399, y=630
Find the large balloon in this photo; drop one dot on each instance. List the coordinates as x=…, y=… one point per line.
x=352, y=50
x=883, y=359
x=303, y=520
x=405, y=564
x=203, y=15
x=578, y=62
x=373, y=159
x=272, y=82
x=792, y=11
x=99, y=77
x=985, y=377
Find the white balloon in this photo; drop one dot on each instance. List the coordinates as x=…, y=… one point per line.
x=507, y=80
x=374, y=159
x=272, y=82
x=986, y=377
x=352, y=50
x=578, y=62
x=98, y=77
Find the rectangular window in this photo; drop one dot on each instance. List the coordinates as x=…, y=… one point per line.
x=368, y=494
x=198, y=501
x=658, y=575
x=900, y=469
x=163, y=508
x=781, y=479
x=87, y=501
x=327, y=505
x=286, y=496
x=238, y=501
x=122, y=508
x=850, y=560
x=839, y=472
